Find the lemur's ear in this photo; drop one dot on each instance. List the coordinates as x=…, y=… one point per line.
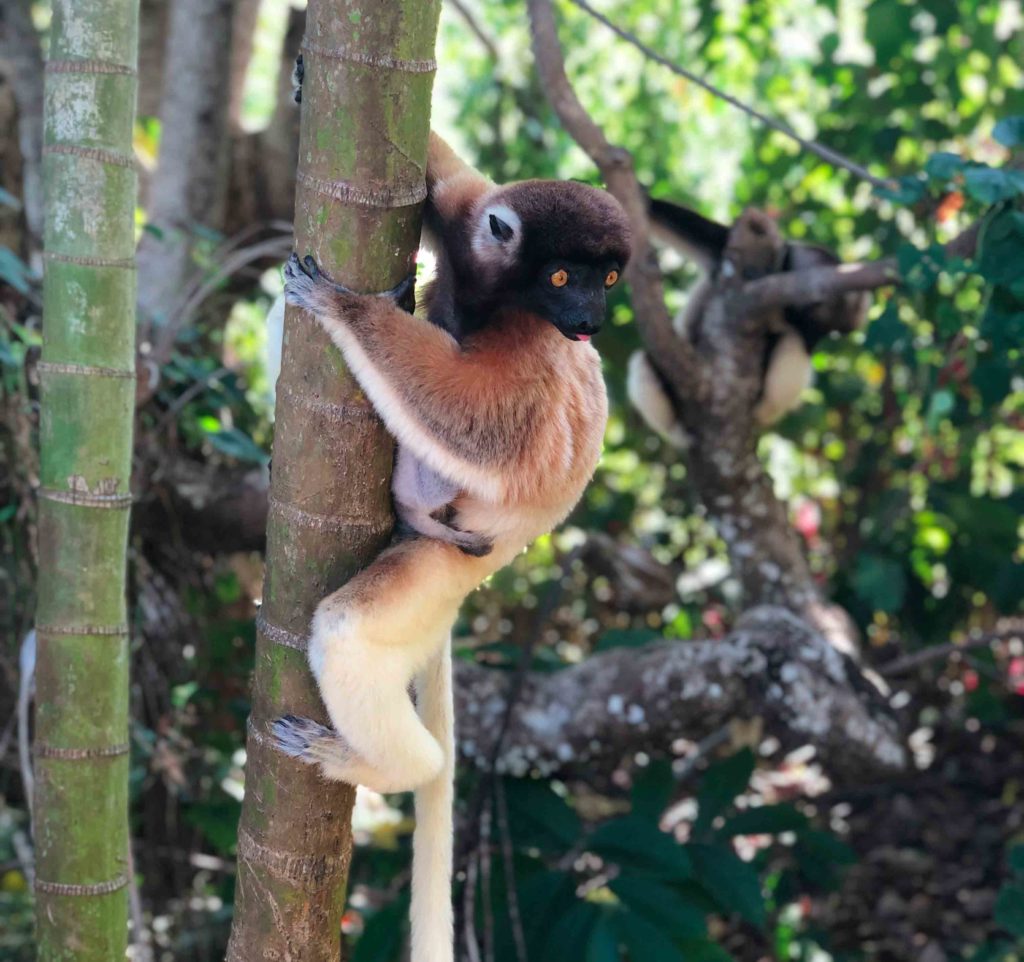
x=500, y=229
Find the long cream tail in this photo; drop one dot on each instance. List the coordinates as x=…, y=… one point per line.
x=431, y=913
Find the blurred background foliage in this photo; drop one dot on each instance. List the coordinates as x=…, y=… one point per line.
x=903, y=472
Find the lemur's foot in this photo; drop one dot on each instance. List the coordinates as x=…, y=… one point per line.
x=320, y=746
x=475, y=545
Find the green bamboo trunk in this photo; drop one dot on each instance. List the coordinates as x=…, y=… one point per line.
x=88, y=388
x=364, y=127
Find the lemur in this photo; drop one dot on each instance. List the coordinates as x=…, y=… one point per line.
x=793, y=332
x=497, y=401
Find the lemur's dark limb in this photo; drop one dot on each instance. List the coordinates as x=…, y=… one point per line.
x=298, y=75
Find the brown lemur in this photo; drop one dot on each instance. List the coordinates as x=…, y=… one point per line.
x=793, y=332
x=497, y=402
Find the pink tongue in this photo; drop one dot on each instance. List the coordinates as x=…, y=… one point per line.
x=583, y=337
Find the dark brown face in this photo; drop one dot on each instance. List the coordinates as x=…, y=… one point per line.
x=564, y=245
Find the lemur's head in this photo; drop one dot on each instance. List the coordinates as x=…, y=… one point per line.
x=553, y=248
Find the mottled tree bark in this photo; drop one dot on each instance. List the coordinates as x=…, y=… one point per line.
x=87, y=373
x=188, y=188
x=584, y=721
x=365, y=120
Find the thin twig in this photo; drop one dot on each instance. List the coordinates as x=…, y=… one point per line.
x=812, y=146
x=469, y=908
x=142, y=939
x=486, y=893
x=900, y=666
x=515, y=917
x=474, y=28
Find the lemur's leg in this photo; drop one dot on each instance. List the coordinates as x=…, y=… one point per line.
x=369, y=640
x=425, y=502
x=789, y=373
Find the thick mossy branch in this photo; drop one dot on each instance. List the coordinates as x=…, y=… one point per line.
x=585, y=720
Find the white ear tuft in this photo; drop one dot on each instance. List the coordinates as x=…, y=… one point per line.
x=498, y=229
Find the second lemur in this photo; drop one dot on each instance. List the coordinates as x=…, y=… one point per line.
x=497, y=402
x=792, y=332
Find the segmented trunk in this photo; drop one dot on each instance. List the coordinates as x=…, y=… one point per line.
x=365, y=120
x=88, y=388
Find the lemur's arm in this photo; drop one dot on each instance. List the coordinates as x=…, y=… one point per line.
x=448, y=405
x=452, y=186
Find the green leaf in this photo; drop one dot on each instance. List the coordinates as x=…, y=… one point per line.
x=1002, y=247
x=384, y=934
x=639, y=845
x=669, y=910
x=1016, y=860
x=908, y=190
x=722, y=782
x=825, y=847
x=540, y=817
x=993, y=951
x=920, y=269
x=626, y=638
x=993, y=377
x=238, y=444
x=941, y=405
x=704, y=950
x=7, y=199
x=1009, y=912
x=603, y=946
x=887, y=28
x=14, y=271
x=766, y=820
x=645, y=942
x=543, y=899
x=879, y=582
x=652, y=789
x=562, y=939
x=732, y=883
x=990, y=185
x=887, y=332
x=943, y=166
x=1010, y=131
x=218, y=821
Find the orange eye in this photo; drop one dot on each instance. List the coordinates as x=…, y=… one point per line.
x=559, y=278
x=610, y=278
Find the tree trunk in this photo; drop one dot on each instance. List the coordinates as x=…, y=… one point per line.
x=188, y=188
x=87, y=372
x=365, y=120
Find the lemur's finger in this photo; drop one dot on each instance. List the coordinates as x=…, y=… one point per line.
x=309, y=265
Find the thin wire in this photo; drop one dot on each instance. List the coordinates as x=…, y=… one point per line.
x=825, y=153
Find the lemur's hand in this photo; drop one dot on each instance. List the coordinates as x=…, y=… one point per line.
x=305, y=284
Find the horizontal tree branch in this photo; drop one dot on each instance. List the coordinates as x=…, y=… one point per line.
x=587, y=719
x=817, y=284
